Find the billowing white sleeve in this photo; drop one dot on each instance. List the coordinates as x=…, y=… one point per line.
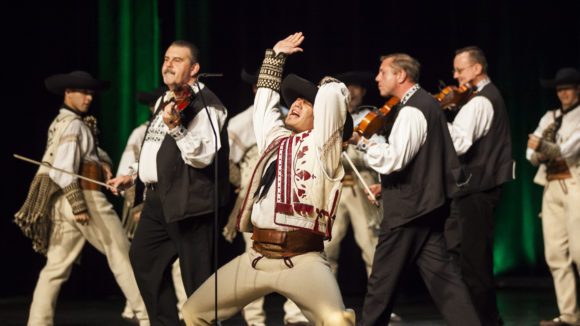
x=330, y=106
x=197, y=142
x=571, y=147
x=130, y=155
x=268, y=123
x=407, y=136
x=472, y=122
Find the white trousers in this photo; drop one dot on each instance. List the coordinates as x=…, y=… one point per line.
x=561, y=228
x=305, y=279
x=351, y=210
x=105, y=233
x=254, y=313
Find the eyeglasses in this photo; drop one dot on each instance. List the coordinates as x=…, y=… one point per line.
x=460, y=70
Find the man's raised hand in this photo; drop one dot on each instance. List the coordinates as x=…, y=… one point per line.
x=290, y=44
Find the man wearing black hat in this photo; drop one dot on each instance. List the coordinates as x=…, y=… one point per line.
x=182, y=146
x=131, y=212
x=482, y=140
x=62, y=211
x=419, y=172
x=243, y=159
x=290, y=201
x=555, y=147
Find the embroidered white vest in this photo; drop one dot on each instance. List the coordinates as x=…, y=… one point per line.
x=306, y=196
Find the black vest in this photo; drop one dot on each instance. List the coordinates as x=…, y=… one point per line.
x=432, y=176
x=489, y=159
x=186, y=191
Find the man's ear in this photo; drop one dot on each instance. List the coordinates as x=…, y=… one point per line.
x=478, y=69
x=402, y=76
x=194, y=69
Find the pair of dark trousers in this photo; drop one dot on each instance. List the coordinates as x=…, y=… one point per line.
x=469, y=233
x=420, y=243
x=156, y=245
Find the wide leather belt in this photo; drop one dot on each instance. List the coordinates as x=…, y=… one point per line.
x=557, y=169
x=281, y=244
x=93, y=171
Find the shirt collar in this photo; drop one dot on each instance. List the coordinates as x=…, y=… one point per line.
x=409, y=93
x=482, y=83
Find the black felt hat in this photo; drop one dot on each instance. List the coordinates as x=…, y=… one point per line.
x=74, y=80
x=248, y=78
x=294, y=87
x=361, y=78
x=564, y=76
x=150, y=98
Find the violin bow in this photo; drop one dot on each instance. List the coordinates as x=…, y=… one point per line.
x=360, y=178
x=63, y=171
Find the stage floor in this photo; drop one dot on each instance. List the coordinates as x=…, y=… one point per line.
x=519, y=306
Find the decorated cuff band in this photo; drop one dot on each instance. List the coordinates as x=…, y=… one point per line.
x=178, y=132
x=75, y=197
x=548, y=149
x=271, y=71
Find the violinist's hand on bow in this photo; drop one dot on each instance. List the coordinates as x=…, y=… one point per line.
x=170, y=116
x=376, y=190
x=290, y=44
x=121, y=183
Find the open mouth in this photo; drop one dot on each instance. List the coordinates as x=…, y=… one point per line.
x=294, y=113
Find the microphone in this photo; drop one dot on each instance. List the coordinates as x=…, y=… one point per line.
x=208, y=74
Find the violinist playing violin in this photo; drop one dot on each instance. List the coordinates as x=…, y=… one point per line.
x=176, y=167
x=481, y=137
x=416, y=165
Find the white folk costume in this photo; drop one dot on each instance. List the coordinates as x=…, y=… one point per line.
x=48, y=217
x=243, y=159
x=297, y=211
x=560, y=177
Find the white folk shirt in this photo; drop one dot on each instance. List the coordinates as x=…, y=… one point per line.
x=472, y=122
x=76, y=145
x=324, y=143
x=196, y=142
x=130, y=155
x=241, y=134
x=407, y=136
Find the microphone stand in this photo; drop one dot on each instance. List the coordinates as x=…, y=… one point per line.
x=216, y=196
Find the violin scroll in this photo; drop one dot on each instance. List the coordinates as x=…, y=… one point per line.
x=453, y=98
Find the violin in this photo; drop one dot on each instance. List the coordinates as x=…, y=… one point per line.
x=453, y=98
x=182, y=96
x=374, y=120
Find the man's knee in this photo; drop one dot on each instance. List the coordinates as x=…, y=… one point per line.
x=340, y=318
x=192, y=316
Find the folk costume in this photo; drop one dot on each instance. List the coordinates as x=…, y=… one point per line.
x=289, y=206
x=559, y=174
x=176, y=167
x=48, y=215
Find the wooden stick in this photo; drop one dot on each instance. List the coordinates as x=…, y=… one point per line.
x=63, y=171
x=360, y=178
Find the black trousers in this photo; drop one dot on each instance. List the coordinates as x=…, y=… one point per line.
x=469, y=233
x=420, y=243
x=156, y=245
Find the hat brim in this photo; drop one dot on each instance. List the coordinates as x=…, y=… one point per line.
x=150, y=98
x=57, y=84
x=250, y=79
x=552, y=83
x=294, y=87
x=361, y=78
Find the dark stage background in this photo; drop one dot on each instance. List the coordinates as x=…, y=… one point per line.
x=124, y=41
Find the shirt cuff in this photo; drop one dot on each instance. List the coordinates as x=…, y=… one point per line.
x=178, y=133
x=75, y=197
x=271, y=71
